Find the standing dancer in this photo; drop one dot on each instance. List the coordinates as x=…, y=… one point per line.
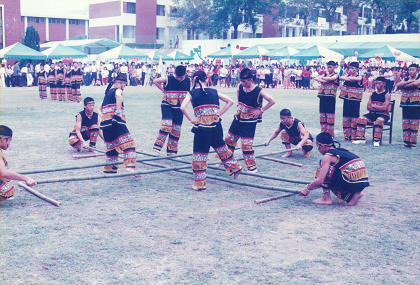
x=207, y=129
x=60, y=82
x=378, y=107
x=67, y=82
x=327, y=93
x=113, y=125
x=351, y=93
x=250, y=110
x=42, y=82
x=52, y=81
x=175, y=88
x=410, y=104
x=76, y=81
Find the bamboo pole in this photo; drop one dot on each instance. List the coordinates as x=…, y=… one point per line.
x=282, y=161
x=273, y=198
x=87, y=155
x=39, y=195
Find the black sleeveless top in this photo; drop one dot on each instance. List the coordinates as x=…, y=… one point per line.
x=379, y=100
x=249, y=102
x=206, y=108
x=86, y=122
x=293, y=130
x=175, y=90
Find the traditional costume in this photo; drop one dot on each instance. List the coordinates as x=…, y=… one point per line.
x=352, y=94
x=42, y=84
x=116, y=135
x=67, y=85
x=347, y=176
x=410, y=104
x=76, y=81
x=174, y=94
x=377, y=117
x=208, y=132
x=7, y=190
x=292, y=135
x=52, y=81
x=327, y=96
x=243, y=125
x=60, y=85
x=89, y=130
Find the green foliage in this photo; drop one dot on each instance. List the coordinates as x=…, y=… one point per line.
x=31, y=38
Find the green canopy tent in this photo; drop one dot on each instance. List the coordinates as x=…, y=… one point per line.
x=227, y=52
x=157, y=55
x=123, y=52
x=92, y=46
x=346, y=48
x=284, y=52
x=20, y=51
x=317, y=51
x=387, y=53
x=176, y=55
x=412, y=48
x=252, y=52
x=60, y=51
x=368, y=46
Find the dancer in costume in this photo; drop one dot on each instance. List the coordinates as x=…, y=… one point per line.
x=76, y=81
x=292, y=131
x=52, y=81
x=250, y=110
x=175, y=88
x=67, y=83
x=42, y=83
x=113, y=125
x=327, y=94
x=378, y=107
x=86, y=128
x=7, y=190
x=410, y=104
x=207, y=129
x=60, y=82
x=339, y=171
x=351, y=93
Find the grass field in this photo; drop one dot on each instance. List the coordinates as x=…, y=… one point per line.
x=156, y=230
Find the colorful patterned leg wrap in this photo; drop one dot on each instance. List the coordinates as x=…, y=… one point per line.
x=7, y=190
x=232, y=137
x=69, y=93
x=166, y=126
x=287, y=140
x=119, y=140
x=43, y=91
x=327, y=114
x=175, y=133
x=62, y=94
x=414, y=127
x=361, y=127
x=53, y=92
x=93, y=135
x=378, y=126
x=111, y=156
x=351, y=112
x=199, y=166
x=248, y=153
x=77, y=97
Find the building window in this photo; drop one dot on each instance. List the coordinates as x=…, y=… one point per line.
x=36, y=20
x=128, y=32
x=22, y=18
x=224, y=35
x=56, y=21
x=337, y=18
x=160, y=33
x=131, y=8
x=76, y=22
x=160, y=10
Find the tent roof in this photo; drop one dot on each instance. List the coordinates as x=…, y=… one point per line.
x=387, y=53
x=157, y=55
x=176, y=55
x=252, y=52
x=124, y=52
x=20, y=51
x=283, y=52
x=93, y=46
x=345, y=48
x=60, y=51
x=317, y=51
x=227, y=52
x=412, y=48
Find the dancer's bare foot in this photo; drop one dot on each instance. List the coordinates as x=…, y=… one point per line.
x=130, y=169
x=304, y=192
x=195, y=188
x=355, y=199
x=11, y=198
x=324, y=201
x=288, y=154
x=413, y=147
x=237, y=174
x=344, y=139
x=404, y=145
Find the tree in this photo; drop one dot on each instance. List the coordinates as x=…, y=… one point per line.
x=32, y=38
x=231, y=11
x=254, y=9
x=405, y=12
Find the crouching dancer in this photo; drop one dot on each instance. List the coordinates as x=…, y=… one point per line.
x=292, y=131
x=207, y=129
x=7, y=190
x=340, y=171
x=113, y=125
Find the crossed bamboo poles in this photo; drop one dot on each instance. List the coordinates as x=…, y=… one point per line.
x=162, y=169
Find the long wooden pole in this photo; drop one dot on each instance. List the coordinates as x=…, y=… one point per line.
x=282, y=161
x=39, y=195
x=87, y=155
x=273, y=198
